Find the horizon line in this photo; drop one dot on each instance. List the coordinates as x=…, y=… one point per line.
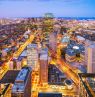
x=53, y=17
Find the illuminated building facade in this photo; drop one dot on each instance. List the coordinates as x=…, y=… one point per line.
x=55, y=76
x=53, y=41
x=90, y=59
x=22, y=84
x=32, y=56
x=44, y=66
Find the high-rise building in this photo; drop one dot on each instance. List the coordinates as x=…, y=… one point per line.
x=32, y=56
x=86, y=85
x=7, y=81
x=55, y=76
x=87, y=43
x=22, y=84
x=53, y=41
x=44, y=66
x=90, y=53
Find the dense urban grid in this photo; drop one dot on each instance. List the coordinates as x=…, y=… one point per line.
x=47, y=57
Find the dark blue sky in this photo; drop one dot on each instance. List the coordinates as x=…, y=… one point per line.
x=35, y=8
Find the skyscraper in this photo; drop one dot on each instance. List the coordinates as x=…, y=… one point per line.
x=32, y=56
x=90, y=58
x=22, y=84
x=44, y=66
x=53, y=41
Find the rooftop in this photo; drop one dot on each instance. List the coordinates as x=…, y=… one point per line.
x=87, y=79
x=70, y=52
x=9, y=76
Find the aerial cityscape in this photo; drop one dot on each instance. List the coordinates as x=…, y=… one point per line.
x=47, y=53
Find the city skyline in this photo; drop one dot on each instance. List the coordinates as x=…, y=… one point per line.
x=47, y=56
x=37, y=8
